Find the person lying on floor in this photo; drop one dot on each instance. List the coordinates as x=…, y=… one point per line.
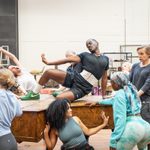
x=130, y=129
x=69, y=129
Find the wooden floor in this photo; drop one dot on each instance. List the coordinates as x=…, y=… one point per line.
x=100, y=141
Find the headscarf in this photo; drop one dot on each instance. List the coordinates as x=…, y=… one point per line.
x=122, y=79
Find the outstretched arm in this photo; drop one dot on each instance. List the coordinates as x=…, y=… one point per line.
x=70, y=59
x=91, y=131
x=50, y=137
x=11, y=56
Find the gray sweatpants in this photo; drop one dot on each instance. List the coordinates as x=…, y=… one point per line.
x=8, y=142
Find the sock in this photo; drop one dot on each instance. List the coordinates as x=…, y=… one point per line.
x=37, y=88
x=22, y=89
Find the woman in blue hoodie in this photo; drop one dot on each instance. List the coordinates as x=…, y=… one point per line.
x=130, y=129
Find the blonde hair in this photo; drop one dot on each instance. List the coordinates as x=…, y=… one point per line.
x=7, y=79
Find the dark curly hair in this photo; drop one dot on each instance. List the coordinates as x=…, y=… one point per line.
x=56, y=113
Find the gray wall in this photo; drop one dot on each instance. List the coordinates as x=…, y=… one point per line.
x=9, y=24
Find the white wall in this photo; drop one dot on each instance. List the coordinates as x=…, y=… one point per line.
x=55, y=26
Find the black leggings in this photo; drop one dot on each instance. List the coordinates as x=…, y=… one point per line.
x=85, y=146
x=8, y=142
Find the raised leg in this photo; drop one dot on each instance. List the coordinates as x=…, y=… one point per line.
x=54, y=74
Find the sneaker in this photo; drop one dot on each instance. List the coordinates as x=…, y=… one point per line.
x=31, y=96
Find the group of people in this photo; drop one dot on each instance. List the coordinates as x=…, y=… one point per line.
x=131, y=102
x=79, y=84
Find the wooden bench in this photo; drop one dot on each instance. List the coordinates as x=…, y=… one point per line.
x=30, y=126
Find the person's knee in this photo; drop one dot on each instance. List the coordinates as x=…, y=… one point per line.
x=58, y=97
x=45, y=77
x=48, y=72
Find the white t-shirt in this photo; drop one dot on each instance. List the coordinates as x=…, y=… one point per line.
x=26, y=80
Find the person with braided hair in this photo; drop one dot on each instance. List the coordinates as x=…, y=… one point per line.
x=9, y=108
x=129, y=127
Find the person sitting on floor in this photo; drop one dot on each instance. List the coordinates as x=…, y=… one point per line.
x=60, y=121
x=25, y=80
x=9, y=108
x=130, y=129
x=94, y=64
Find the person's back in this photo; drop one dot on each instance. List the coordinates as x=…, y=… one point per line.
x=9, y=108
x=126, y=113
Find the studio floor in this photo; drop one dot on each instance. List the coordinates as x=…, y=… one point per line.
x=100, y=141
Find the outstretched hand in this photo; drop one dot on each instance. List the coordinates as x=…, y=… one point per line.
x=91, y=103
x=44, y=60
